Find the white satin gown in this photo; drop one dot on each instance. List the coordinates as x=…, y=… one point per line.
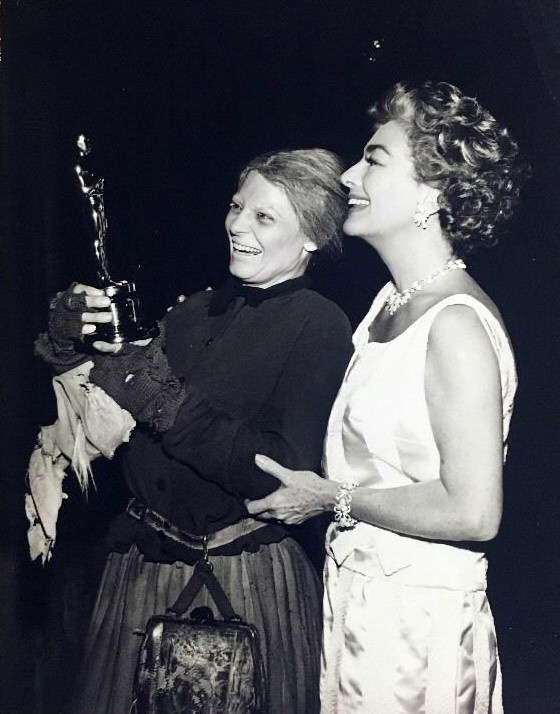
x=407, y=625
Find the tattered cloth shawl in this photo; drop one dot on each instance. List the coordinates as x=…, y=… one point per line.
x=89, y=424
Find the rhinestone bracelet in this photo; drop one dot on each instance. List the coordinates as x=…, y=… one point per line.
x=343, y=504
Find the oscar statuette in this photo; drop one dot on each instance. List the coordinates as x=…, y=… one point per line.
x=128, y=323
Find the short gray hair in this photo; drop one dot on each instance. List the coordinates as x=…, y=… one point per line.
x=311, y=180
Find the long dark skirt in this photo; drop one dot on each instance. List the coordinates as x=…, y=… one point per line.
x=275, y=589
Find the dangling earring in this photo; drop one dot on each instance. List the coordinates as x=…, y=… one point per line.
x=421, y=216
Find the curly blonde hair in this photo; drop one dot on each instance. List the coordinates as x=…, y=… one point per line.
x=459, y=148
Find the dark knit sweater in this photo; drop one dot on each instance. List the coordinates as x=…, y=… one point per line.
x=260, y=371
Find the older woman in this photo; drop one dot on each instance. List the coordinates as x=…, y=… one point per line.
x=415, y=442
x=251, y=367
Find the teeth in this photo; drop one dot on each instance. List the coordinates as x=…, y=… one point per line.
x=358, y=202
x=240, y=248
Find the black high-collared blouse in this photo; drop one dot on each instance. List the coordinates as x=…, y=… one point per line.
x=261, y=369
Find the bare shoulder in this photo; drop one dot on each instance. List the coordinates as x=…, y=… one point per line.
x=457, y=321
x=459, y=345
x=460, y=316
x=462, y=376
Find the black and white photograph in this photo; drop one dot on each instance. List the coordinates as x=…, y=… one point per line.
x=280, y=375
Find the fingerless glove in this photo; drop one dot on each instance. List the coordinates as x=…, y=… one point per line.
x=57, y=346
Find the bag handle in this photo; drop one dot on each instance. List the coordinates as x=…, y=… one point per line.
x=203, y=575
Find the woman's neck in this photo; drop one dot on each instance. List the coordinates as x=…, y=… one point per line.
x=415, y=259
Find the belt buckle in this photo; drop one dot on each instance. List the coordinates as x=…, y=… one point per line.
x=142, y=513
x=137, y=509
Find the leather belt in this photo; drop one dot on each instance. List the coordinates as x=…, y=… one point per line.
x=206, y=542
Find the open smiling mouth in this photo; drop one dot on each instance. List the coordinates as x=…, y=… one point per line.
x=244, y=249
x=357, y=202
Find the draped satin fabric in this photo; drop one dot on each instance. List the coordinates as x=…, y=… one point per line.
x=407, y=624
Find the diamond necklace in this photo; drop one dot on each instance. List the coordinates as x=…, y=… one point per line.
x=397, y=299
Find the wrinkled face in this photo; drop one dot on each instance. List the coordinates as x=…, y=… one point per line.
x=384, y=192
x=267, y=245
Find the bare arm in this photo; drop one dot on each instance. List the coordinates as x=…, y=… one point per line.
x=463, y=394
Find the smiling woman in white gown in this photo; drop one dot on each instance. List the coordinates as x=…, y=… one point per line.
x=416, y=439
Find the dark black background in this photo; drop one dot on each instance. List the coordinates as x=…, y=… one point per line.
x=175, y=97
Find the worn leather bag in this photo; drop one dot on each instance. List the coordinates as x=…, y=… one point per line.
x=198, y=664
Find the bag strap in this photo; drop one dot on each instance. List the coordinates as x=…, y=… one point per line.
x=203, y=575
